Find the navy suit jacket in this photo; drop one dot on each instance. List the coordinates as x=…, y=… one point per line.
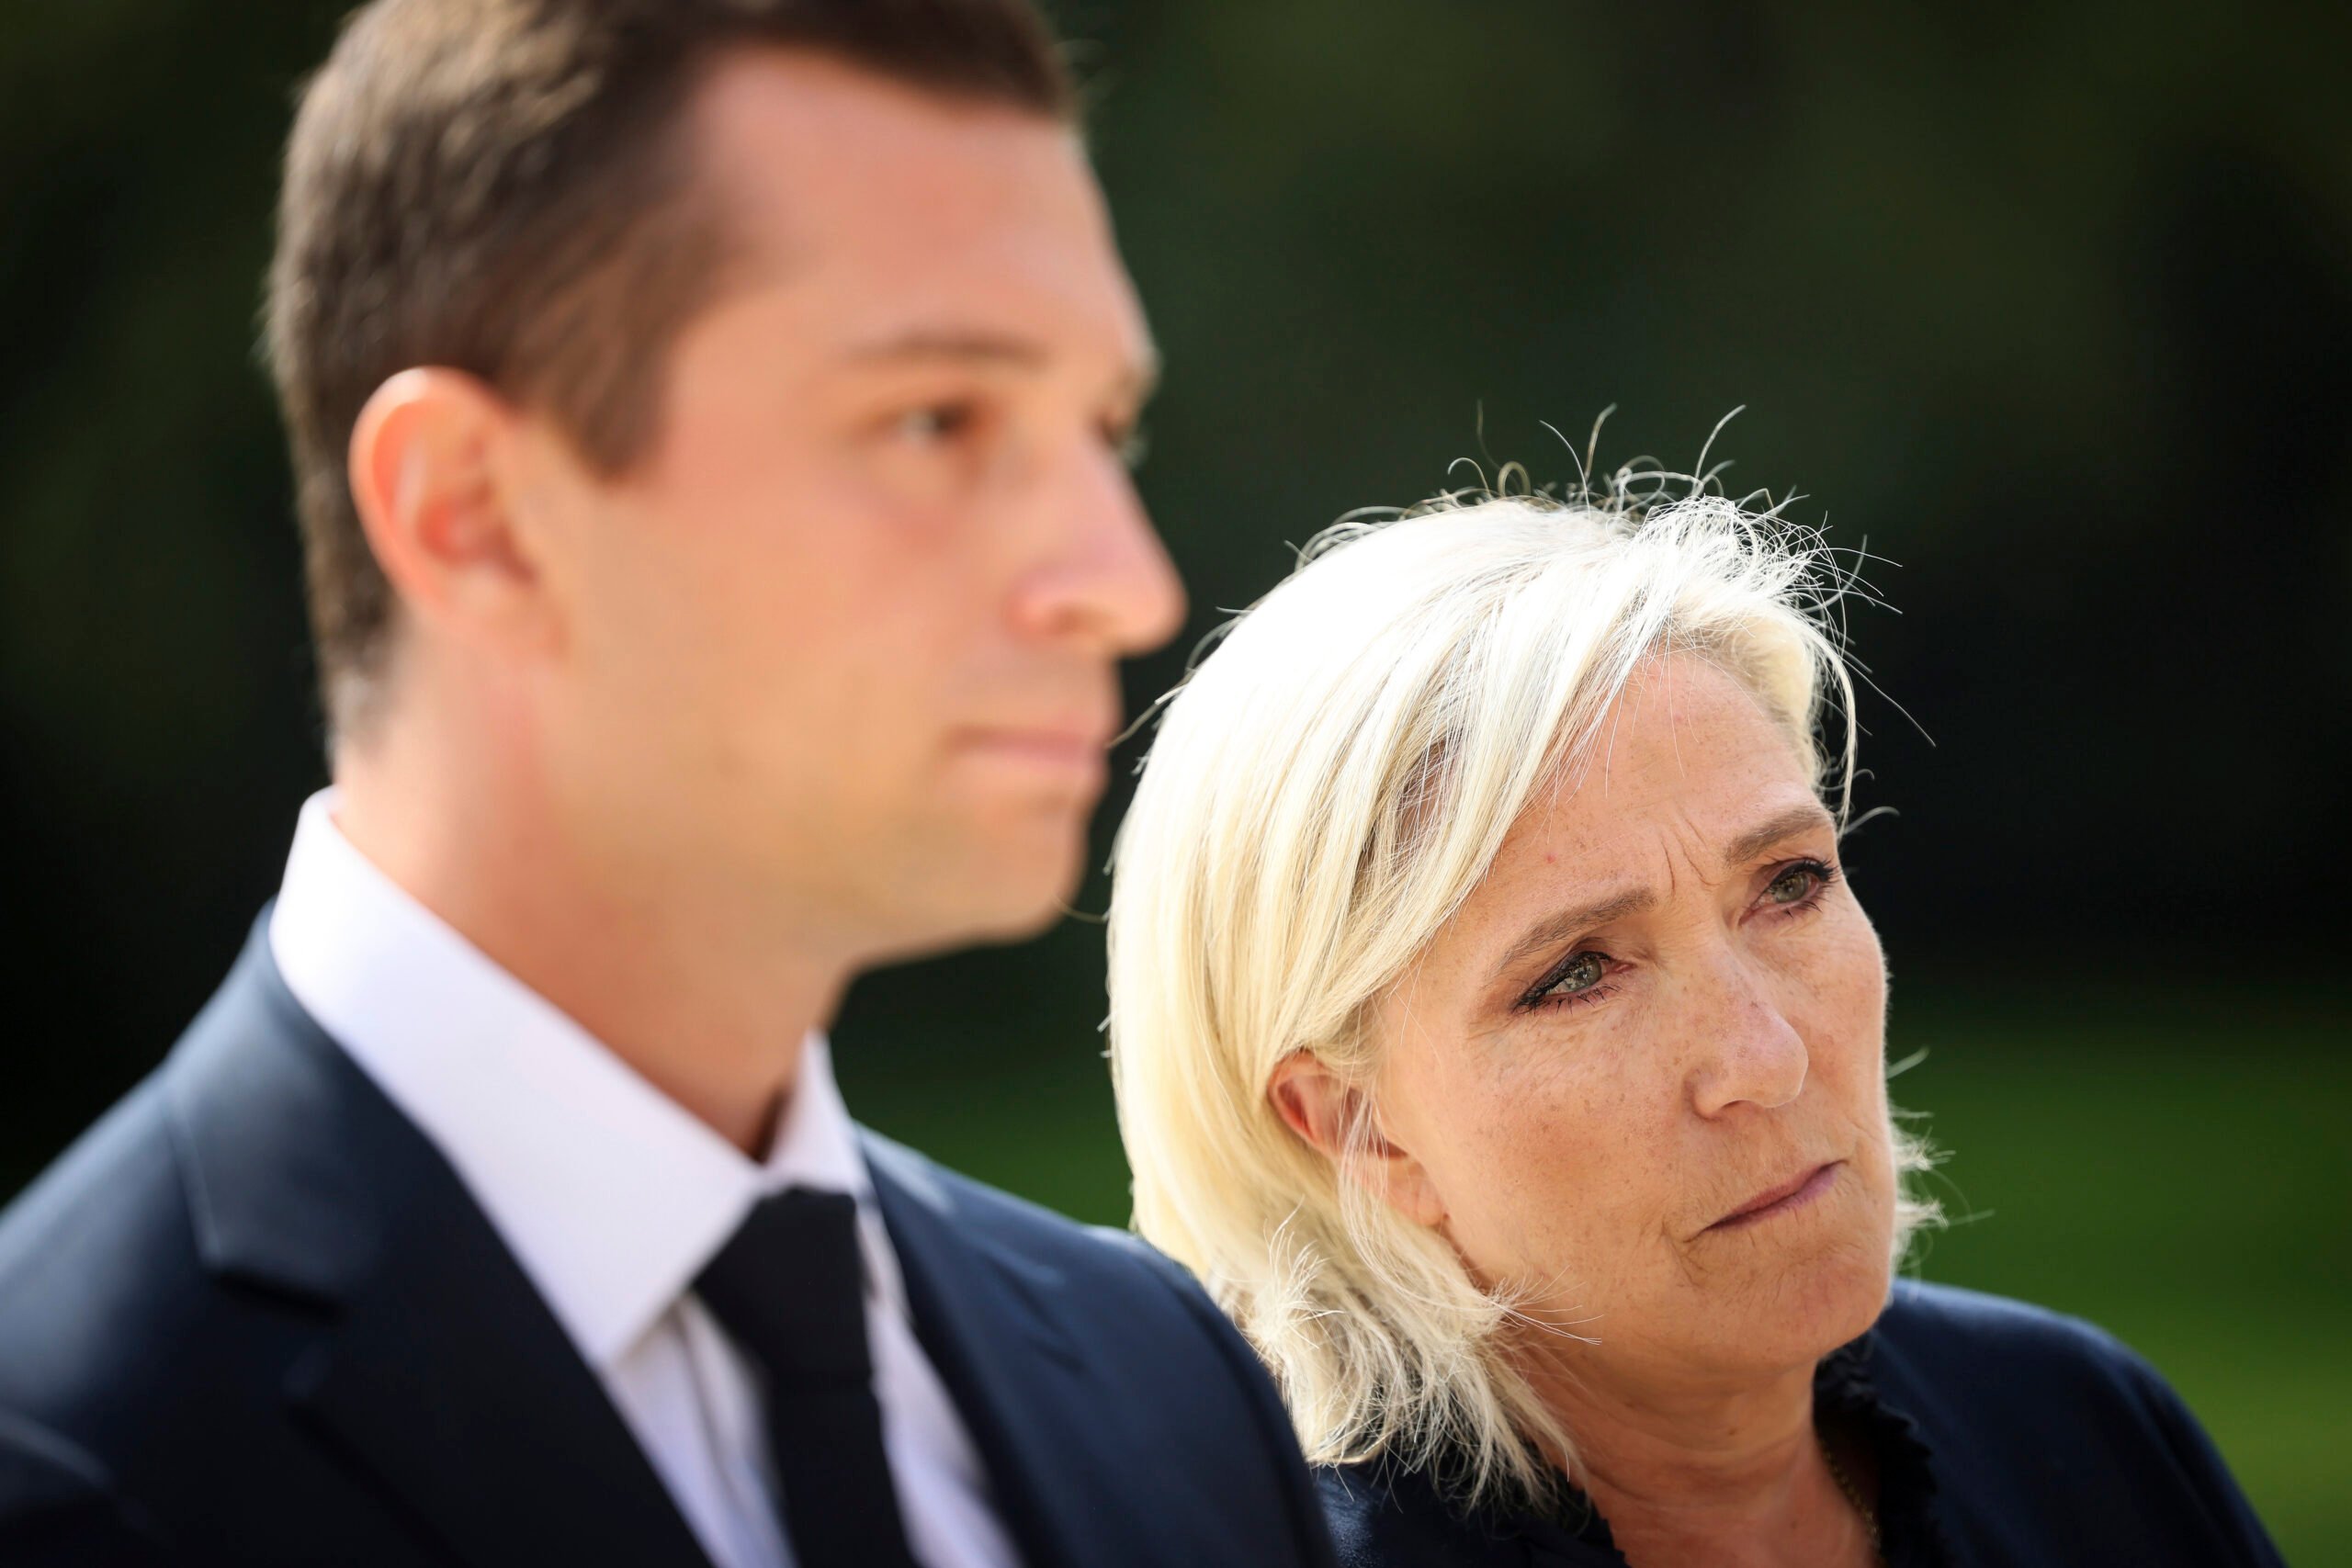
x=252, y=1317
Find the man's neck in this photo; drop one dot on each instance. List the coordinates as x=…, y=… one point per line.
x=710, y=1005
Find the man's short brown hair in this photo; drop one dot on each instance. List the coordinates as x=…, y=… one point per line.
x=501, y=187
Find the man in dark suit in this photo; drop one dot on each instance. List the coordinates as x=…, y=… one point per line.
x=709, y=419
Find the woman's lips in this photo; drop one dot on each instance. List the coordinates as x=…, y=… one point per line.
x=1785, y=1199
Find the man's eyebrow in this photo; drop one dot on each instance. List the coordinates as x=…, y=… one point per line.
x=930, y=343
x=1002, y=349
x=1555, y=929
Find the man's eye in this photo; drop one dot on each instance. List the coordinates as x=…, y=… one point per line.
x=937, y=422
x=1129, y=442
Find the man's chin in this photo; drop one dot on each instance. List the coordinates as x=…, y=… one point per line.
x=996, y=928
x=1023, y=924
x=1017, y=907
x=1015, y=904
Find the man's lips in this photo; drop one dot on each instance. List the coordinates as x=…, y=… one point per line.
x=1786, y=1198
x=1077, y=746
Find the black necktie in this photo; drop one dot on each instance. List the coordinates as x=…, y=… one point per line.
x=788, y=1287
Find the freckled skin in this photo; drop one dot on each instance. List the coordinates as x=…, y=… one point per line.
x=1579, y=1153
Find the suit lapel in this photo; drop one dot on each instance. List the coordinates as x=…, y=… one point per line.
x=982, y=1316
x=438, y=1372
x=459, y=1389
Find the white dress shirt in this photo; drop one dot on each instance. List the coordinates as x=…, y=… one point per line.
x=612, y=1198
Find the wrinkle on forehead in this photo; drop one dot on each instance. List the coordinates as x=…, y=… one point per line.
x=1597, y=821
x=1600, y=763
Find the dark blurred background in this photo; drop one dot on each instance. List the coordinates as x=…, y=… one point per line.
x=2051, y=305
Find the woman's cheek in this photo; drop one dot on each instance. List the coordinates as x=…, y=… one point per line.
x=1555, y=1160
x=1841, y=981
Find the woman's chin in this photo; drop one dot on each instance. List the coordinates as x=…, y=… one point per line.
x=1794, y=1311
x=1833, y=1299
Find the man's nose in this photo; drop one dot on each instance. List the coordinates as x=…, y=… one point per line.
x=1749, y=1053
x=1107, y=580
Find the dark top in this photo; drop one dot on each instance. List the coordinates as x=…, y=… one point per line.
x=252, y=1317
x=2004, y=1434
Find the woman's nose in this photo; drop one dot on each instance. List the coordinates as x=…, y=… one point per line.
x=1750, y=1053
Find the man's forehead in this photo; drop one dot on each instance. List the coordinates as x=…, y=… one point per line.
x=925, y=224
x=801, y=147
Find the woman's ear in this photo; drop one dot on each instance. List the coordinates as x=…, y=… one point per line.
x=1328, y=1113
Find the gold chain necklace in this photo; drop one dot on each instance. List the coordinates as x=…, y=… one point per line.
x=1854, y=1494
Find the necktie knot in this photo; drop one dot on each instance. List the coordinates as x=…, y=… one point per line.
x=789, y=1288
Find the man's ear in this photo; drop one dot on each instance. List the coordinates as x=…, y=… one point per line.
x=433, y=475
x=1328, y=1113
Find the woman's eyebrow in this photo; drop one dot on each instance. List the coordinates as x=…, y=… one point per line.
x=1809, y=817
x=1554, y=930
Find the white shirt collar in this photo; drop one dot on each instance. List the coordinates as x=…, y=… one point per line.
x=610, y=1195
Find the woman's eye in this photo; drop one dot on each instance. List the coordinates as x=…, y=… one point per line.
x=1800, y=883
x=1585, y=970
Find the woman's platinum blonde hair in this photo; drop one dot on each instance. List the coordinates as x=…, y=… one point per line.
x=1326, y=788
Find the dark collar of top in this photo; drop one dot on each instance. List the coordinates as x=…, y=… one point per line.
x=1843, y=1393
x=2004, y=1434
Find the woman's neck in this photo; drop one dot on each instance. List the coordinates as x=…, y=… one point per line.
x=1730, y=1473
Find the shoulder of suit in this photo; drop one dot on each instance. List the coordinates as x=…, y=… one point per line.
x=116, y=1188
x=58, y=1505
x=43, y=1471
x=98, y=1269
x=90, y=1279
x=1014, y=1224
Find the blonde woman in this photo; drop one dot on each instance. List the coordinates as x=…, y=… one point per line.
x=1496, y=1036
